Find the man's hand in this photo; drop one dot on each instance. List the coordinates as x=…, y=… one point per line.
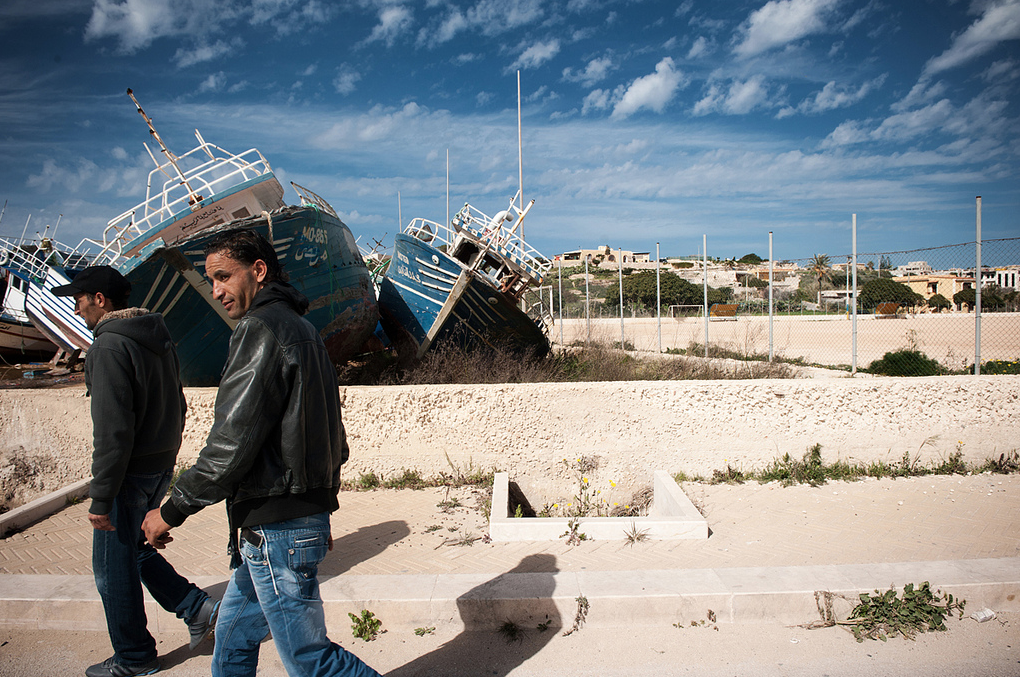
x=101, y=522
x=157, y=532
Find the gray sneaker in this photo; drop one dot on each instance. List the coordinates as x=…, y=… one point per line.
x=109, y=668
x=202, y=625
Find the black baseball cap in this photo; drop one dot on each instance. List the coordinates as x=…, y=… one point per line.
x=96, y=279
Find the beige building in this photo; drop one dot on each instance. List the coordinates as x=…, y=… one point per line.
x=930, y=285
x=607, y=255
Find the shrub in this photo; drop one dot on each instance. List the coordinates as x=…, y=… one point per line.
x=906, y=363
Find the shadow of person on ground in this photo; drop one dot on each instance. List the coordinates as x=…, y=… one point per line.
x=507, y=620
x=361, y=546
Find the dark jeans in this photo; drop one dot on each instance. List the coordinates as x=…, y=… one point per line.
x=122, y=561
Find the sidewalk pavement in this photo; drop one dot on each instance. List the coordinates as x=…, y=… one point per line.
x=417, y=559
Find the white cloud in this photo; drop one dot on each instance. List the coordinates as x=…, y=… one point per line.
x=699, y=48
x=652, y=91
x=213, y=83
x=596, y=100
x=494, y=17
x=135, y=23
x=914, y=123
x=536, y=55
x=746, y=96
x=1002, y=71
x=596, y=70
x=346, y=79
x=832, y=96
x=740, y=98
x=205, y=52
x=921, y=94
x=393, y=22
x=846, y=134
x=780, y=22
x=999, y=22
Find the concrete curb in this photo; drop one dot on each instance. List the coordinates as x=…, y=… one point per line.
x=42, y=507
x=784, y=595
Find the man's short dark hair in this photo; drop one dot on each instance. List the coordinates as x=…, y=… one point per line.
x=248, y=246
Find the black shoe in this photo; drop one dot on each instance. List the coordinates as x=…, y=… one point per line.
x=202, y=625
x=109, y=668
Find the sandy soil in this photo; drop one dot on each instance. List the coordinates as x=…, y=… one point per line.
x=628, y=429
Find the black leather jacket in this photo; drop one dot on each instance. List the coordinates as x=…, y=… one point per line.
x=276, y=445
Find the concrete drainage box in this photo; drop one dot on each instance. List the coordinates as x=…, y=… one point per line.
x=672, y=517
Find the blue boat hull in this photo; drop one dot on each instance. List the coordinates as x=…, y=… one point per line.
x=321, y=258
x=415, y=295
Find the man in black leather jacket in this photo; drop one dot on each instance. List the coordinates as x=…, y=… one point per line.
x=274, y=454
x=138, y=409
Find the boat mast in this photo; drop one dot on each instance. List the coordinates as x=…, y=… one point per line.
x=194, y=198
x=520, y=146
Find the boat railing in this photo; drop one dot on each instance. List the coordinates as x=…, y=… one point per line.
x=181, y=190
x=32, y=258
x=502, y=239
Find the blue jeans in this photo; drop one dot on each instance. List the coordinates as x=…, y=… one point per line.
x=276, y=589
x=122, y=561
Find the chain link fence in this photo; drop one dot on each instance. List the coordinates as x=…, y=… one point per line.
x=916, y=311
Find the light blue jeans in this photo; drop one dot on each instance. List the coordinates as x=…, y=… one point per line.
x=276, y=589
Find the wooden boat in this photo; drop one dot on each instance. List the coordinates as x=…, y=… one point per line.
x=464, y=283
x=18, y=336
x=159, y=244
x=42, y=266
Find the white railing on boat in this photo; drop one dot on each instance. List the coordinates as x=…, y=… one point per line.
x=489, y=234
x=221, y=171
x=32, y=257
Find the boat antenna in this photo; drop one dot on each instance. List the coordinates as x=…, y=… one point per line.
x=194, y=197
x=25, y=229
x=520, y=146
x=400, y=216
x=3, y=211
x=54, y=236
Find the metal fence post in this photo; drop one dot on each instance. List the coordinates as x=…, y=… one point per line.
x=622, y=342
x=561, y=299
x=853, y=300
x=977, y=295
x=658, y=298
x=771, y=269
x=587, y=302
x=704, y=255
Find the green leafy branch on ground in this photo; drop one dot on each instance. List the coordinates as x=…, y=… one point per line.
x=366, y=626
x=885, y=614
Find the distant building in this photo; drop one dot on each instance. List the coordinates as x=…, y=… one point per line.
x=930, y=285
x=913, y=268
x=607, y=255
x=1007, y=278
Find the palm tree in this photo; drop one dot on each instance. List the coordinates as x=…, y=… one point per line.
x=820, y=267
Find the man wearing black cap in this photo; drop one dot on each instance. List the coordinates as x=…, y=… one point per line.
x=138, y=408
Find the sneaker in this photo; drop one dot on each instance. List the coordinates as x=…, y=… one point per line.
x=202, y=625
x=110, y=668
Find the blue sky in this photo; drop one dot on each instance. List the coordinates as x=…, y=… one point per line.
x=643, y=121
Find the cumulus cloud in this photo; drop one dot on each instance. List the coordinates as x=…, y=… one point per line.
x=135, y=24
x=699, y=48
x=346, y=79
x=740, y=98
x=833, y=96
x=999, y=22
x=594, y=71
x=596, y=100
x=393, y=22
x=846, y=134
x=536, y=55
x=650, y=92
x=214, y=83
x=780, y=22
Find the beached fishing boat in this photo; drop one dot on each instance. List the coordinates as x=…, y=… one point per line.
x=159, y=245
x=18, y=336
x=464, y=283
x=41, y=266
